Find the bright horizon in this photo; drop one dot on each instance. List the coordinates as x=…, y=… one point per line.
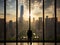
x=36, y=10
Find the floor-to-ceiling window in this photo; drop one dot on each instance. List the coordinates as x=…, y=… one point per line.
x=44, y=22
x=49, y=20
x=10, y=19
x=1, y=19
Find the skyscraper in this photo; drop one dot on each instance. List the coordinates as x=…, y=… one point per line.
x=49, y=28
x=11, y=30
x=21, y=18
x=21, y=13
x=33, y=20
x=1, y=29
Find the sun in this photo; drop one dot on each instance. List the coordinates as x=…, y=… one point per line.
x=26, y=15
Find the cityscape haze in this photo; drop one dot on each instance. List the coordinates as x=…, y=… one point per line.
x=36, y=19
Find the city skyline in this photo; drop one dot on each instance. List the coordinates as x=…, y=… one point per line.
x=32, y=23
x=36, y=27
x=36, y=5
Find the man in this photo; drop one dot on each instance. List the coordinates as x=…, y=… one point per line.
x=29, y=34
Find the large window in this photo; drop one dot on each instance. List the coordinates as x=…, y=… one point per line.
x=10, y=19
x=1, y=19
x=37, y=19
x=23, y=19
x=19, y=16
x=58, y=20
x=49, y=17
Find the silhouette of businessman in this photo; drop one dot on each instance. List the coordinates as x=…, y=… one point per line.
x=29, y=34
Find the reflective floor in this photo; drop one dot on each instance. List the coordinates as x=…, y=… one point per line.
x=34, y=43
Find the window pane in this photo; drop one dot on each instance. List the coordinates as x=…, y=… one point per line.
x=49, y=17
x=11, y=20
x=1, y=19
x=23, y=19
x=58, y=20
x=36, y=19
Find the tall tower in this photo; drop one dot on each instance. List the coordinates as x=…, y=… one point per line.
x=21, y=16
x=21, y=13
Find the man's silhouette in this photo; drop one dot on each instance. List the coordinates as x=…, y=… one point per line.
x=29, y=34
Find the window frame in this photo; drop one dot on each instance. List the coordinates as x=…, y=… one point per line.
x=5, y=41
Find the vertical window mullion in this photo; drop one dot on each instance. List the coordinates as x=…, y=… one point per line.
x=4, y=22
x=16, y=22
x=43, y=22
x=55, y=19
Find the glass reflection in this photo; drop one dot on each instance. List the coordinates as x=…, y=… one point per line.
x=49, y=43
x=10, y=43
x=1, y=43
x=58, y=43
x=30, y=44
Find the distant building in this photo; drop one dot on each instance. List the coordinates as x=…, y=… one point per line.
x=33, y=25
x=10, y=24
x=1, y=29
x=58, y=31
x=39, y=27
x=49, y=28
x=40, y=23
x=21, y=13
x=36, y=25
x=20, y=26
x=33, y=20
x=10, y=30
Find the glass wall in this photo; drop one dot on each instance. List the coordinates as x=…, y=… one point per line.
x=11, y=19
x=37, y=19
x=58, y=19
x=49, y=20
x=36, y=22
x=23, y=19
x=1, y=20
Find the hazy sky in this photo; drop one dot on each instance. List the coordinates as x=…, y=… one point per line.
x=36, y=8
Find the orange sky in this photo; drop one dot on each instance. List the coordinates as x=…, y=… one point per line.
x=36, y=12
